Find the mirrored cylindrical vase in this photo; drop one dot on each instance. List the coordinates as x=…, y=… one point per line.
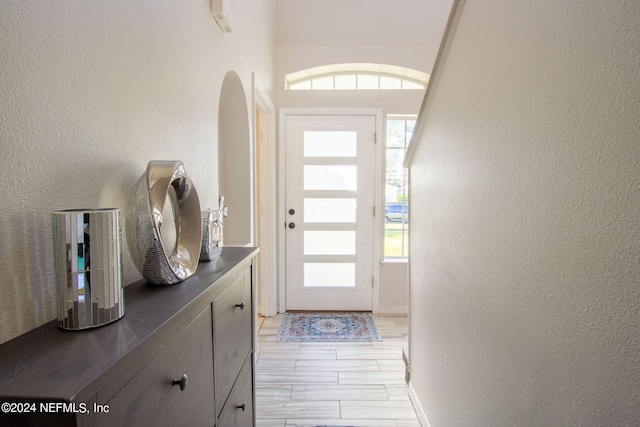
x=87, y=249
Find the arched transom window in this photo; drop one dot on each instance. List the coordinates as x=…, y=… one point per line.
x=356, y=77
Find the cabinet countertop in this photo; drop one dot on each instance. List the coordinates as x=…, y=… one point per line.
x=49, y=363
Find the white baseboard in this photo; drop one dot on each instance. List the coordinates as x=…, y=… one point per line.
x=392, y=309
x=422, y=418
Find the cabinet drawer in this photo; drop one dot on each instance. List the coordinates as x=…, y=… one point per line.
x=232, y=334
x=151, y=399
x=238, y=411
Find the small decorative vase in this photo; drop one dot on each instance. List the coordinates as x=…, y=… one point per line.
x=87, y=246
x=212, y=232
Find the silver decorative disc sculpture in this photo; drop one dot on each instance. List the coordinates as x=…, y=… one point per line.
x=87, y=252
x=164, y=228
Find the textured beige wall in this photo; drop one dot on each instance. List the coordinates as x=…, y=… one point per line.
x=394, y=287
x=92, y=91
x=525, y=257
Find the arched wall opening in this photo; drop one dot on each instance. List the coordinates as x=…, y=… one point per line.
x=234, y=161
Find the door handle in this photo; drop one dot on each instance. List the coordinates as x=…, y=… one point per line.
x=292, y=211
x=292, y=225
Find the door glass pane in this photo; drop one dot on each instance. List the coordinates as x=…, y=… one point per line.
x=396, y=212
x=397, y=133
x=390, y=83
x=329, y=275
x=330, y=177
x=306, y=84
x=396, y=243
x=330, y=144
x=407, y=84
x=329, y=210
x=367, y=81
x=322, y=83
x=345, y=81
x=329, y=242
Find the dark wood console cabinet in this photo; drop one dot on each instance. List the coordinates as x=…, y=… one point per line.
x=181, y=355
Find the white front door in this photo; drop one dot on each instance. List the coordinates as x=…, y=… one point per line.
x=329, y=201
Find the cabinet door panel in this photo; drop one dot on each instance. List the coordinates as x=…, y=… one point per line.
x=151, y=399
x=238, y=411
x=232, y=334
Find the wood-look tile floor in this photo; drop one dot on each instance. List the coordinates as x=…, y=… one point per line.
x=333, y=383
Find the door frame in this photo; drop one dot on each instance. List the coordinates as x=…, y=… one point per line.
x=265, y=182
x=300, y=111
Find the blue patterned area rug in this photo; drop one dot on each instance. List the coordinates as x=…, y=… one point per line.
x=328, y=327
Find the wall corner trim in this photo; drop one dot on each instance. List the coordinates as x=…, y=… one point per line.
x=422, y=418
x=443, y=51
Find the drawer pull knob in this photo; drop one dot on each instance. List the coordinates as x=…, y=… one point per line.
x=243, y=406
x=241, y=305
x=182, y=382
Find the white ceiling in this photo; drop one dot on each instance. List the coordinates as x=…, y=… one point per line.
x=361, y=22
